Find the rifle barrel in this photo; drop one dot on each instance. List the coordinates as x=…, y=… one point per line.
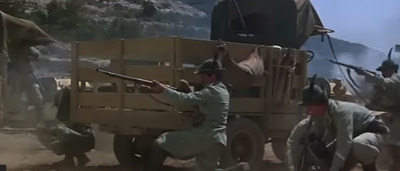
x=138, y=80
x=351, y=66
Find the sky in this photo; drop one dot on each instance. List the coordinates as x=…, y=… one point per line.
x=370, y=22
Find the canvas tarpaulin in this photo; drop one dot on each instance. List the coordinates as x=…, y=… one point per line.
x=16, y=37
x=286, y=23
x=20, y=33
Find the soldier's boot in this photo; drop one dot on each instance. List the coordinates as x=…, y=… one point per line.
x=156, y=159
x=83, y=159
x=243, y=166
x=370, y=167
x=68, y=161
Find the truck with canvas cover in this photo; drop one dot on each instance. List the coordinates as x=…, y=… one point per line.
x=271, y=79
x=265, y=72
x=17, y=37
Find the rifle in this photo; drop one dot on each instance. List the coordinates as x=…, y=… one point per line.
x=351, y=66
x=133, y=79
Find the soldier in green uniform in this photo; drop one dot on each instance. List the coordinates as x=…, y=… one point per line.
x=387, y=98
x=67, y=138
x=358, y=133
x=206, y=140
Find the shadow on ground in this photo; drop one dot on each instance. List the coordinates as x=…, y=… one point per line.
x=267, y=165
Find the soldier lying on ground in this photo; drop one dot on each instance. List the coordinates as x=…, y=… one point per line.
x=359, y=134
x=66, y=138
x=387, y=98
x=206, y=140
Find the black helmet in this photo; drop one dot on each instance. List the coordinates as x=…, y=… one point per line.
x=313, y=94
x=388, y=64
x=209, y=66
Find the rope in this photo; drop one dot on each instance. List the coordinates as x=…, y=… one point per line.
x=241, y=17
x=334, y=55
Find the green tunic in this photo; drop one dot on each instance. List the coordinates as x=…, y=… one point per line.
x=387, y=98
x=206, y=141
x=347, y=122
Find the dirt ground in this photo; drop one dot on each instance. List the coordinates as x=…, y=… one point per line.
x=23, y=152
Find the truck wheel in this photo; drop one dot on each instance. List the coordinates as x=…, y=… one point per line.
x=130, y=150
x=278, y=147
x=245, y=144
x=124, y=149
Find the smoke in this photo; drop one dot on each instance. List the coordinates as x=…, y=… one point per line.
x=367, y=60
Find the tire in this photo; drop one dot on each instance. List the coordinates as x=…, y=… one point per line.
x=130, y=150
x=123, y=149
x=278, y=147
x=245, y=144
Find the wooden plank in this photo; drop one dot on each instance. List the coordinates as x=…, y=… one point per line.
x=74, y=80
x=149, y=49
x=160, y=73
x=105, y=49
x=90, y=75
x=96, y=116
x=195, y=51
x=98, y=99
x=145, y=102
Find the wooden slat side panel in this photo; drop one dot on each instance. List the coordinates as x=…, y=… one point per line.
x=108, y=49
x=96, y=116
x=188, y=75
x=160, y=73
x=98, y=99
x=149, y=49
x=90, y=75
x=145, y=102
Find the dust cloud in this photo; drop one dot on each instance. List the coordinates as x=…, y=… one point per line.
x=367, y=60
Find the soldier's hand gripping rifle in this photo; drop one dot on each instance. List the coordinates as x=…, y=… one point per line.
x=133, y=79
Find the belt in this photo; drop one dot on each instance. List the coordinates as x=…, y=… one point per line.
x=377, y=126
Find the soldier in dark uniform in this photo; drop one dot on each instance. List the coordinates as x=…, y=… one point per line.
x=67, y=138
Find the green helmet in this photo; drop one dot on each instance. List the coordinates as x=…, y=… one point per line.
x=209, y=66
x=388, y=64
x=313, y=94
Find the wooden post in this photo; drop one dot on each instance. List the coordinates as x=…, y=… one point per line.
x=74, y=81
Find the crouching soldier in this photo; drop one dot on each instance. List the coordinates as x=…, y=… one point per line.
x=66, y=138
x=357, y=133
x=206, y=140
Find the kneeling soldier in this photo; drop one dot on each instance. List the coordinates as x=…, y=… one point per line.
x=359, y=134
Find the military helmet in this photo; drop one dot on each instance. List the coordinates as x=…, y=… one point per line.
x=388, y=64
x=313, y=94
x=209, y=66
